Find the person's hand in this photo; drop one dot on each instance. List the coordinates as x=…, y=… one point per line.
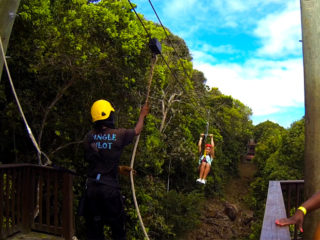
x=211, y=135
x=125, y=170
x=296, y=219
x=144, y=110
x=202, y=135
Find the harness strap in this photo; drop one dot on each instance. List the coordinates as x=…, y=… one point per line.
x=101, y=179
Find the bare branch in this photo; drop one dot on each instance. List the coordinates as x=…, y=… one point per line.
x=55, y=100
x=66, y=145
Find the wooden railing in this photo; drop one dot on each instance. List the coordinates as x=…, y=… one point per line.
x=36, y=198
x=282, y=197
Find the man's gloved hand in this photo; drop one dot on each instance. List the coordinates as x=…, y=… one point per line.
x=125, y=170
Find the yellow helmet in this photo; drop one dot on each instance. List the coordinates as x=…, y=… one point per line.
x=101, y=110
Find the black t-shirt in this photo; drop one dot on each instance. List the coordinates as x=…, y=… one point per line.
x=103, y=151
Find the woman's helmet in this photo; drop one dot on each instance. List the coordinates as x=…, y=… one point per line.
x=101, y=110
x=208, y=145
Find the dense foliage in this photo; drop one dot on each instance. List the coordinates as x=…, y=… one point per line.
x=279, y=156
x=66, y=54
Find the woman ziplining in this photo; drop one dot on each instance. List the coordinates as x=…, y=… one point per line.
x=205, y=159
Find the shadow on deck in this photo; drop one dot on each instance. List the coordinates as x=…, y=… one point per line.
x=33, y=236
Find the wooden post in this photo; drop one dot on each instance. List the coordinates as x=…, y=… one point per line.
x=310, y=16
x=67, y=208
x=1, y=204
x=8, y=10
x=26, y=202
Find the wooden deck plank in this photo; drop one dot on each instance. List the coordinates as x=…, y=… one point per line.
x=275, y=209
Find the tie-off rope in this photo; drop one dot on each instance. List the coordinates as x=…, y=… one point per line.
x=153, y=63
x=35, y=144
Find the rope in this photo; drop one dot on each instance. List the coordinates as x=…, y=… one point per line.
x=153, y=63
x=21, y=111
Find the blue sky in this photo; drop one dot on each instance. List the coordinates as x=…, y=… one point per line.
x=249, y=49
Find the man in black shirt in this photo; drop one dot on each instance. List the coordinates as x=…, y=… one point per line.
x=103, y=147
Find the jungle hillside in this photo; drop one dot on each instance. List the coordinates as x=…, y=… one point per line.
x=64, y=55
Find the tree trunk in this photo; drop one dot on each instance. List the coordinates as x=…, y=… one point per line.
x=310, y=16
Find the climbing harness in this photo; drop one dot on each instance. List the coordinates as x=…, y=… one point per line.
x=203, y=155
x=35, y=144
x=154, y=46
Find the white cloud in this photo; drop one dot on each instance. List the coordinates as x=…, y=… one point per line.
x=203, y=56
x=209, y=49
x=224, y=49
x=177, y=8
x=269, y=78
x=280, y=33
x=265, y=86
x=214, y=14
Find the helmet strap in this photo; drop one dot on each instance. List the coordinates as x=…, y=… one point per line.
x=109, y=123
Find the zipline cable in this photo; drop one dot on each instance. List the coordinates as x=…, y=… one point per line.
x=132, y=7
x=153, y=63
x=207, y=127
x=154, y=10
x=204, y=139
x=39, y=152
x=149, y=36
x=147, y=100
x=170, y=42
x=175, y=51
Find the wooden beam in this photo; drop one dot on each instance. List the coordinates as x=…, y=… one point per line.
x=310, y=16
x=8, y=9
x=67, y=208
x=275, y=209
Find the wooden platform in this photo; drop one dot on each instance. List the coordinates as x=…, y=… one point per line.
x=34, y=236
x=24, y=186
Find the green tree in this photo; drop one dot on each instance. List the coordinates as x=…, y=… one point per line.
x=279, y=156
x=66, y=54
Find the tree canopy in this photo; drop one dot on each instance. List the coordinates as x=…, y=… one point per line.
x=64, y=55
x=279, y=156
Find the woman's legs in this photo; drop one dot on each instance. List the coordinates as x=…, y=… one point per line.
x=204, y=170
